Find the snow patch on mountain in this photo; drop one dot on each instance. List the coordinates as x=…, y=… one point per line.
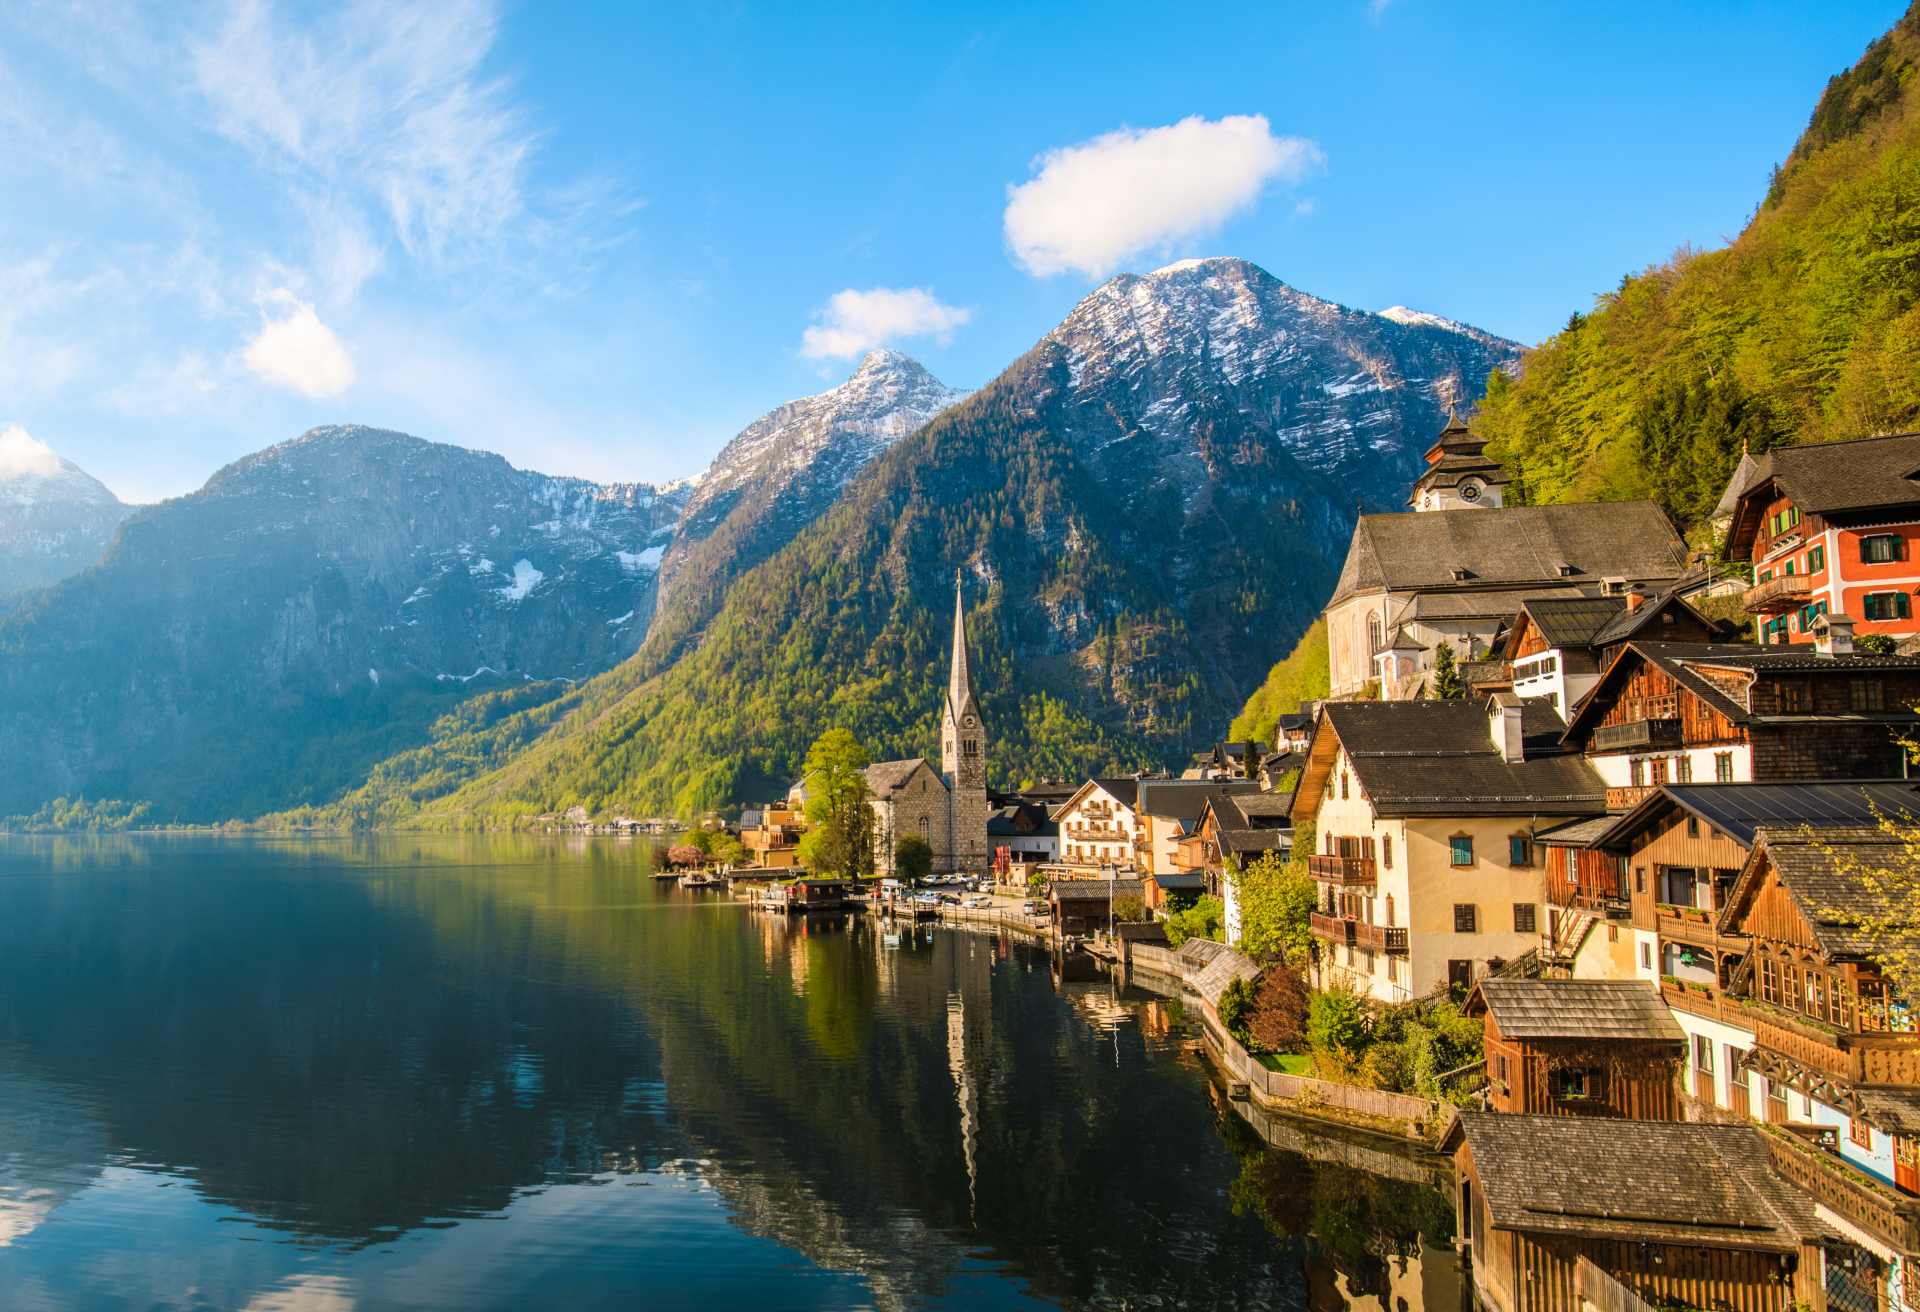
x=525, y=579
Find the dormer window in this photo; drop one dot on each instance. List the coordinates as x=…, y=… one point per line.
x=1567, y=571
x=1461, y=574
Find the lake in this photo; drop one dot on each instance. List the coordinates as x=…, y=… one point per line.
x=389, y=1072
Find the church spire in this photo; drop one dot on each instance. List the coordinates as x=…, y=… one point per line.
x=959, y=677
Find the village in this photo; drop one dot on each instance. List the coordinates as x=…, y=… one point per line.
x=1596, y=871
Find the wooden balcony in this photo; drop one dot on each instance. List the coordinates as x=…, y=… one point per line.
x=1700, y=1000
x=1879, y=1209
x=1853, y=1058
x=1357, y=933
x=1625, y=799
x=1630, y=734
x=1787, y=592
x=1694, y=926
x=1343, y=870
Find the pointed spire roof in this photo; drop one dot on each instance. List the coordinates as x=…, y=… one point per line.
x=959, y=676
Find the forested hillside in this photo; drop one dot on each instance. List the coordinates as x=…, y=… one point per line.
x=1805, y=328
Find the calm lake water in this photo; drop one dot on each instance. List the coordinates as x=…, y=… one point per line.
x=507, y=1073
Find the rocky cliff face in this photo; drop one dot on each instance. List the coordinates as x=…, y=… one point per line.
x=55, y=518
x=1149, y=506
x=301, y=613
x=780, y=474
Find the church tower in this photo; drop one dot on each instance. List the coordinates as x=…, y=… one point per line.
x=963, y=754
x=1460, y=475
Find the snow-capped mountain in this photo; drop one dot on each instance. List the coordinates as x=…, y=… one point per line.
x=1345, y=392
x=1148, y=508
x=780, y=473
x=55, y=518
x=312, y=604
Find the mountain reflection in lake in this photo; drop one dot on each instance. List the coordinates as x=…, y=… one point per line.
x=509, y=1073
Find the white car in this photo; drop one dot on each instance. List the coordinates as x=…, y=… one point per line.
x=978, y=900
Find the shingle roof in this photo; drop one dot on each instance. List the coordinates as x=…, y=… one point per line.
x=885, y=777
x=1262, y=810
x=1892, y=1109
x=1125, y=790
x=1629, y=622
x=1185, y=800
x=1209, y=967
x=1509, y=545
x=1576, y=833
x=1242, y=842
x=1579, y=1009
x=1571, y=621
x=1438, y=758
x=1824, y=477
x=1181, y=882
x=1851, y=885
x=1670, y=1182
x=1739, y=810
x=1095, y=890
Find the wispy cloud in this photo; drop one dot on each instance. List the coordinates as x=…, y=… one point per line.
x=294, y=350
x=1091, y=207
x=22, y=455
x=854, y=322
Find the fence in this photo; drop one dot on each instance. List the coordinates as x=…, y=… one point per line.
x=1600, y=1292
x=1303, y=1090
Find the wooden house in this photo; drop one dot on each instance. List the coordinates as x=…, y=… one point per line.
x=1086, y=906
x=1830, y=529
x=1680, y=1214
x=1684, y=846
x=1731, y=713
x=1579, y=1047
x=1557, y=646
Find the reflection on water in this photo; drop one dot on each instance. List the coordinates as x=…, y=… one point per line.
x=506, y=1073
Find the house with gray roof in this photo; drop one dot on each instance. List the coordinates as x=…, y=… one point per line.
x=1412, y=581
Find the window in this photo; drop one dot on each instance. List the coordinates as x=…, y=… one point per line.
x=1693, y=826
x=1886, y=606
x=1866, y=695
x=1683, y=769
x=1573, y=1083
x=1816, y=560
x=1366, y=961
x=1703, y=1056
x=1523, y=917
x=1466, y=918
x=1461, y=847
x=1637, y=773
x=1880, y=548
x=1500, y=1067
x=1646, y=956
x=1796, y=695
x=1769, y=981
x=1859, y=1133
x=1736, y=1072
x=1343, y=785
x=1639, y=879
x=1723, y=767
x=1386, y=850
x=1393, y=970
x=1519, y=850
x=1659, y=771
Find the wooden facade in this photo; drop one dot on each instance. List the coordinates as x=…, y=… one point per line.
x=1651, y=696
x=1581, y=1077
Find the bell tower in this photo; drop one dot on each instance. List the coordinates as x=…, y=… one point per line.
x=963, y=753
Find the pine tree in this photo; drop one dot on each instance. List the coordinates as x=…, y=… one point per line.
x=1447, y=684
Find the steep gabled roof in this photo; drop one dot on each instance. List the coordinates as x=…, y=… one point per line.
x=1741, y=810
x=1853, y=887
x=1668, y=1182
x=1125, y=791
x=884, y=778
x=1826, y=478
x=1579, y=1009
x=1511, y=545
x=1570, y=621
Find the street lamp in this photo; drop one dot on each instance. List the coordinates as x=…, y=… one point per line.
x=1110, y=871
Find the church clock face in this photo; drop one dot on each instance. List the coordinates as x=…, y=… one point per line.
x=1470, y=491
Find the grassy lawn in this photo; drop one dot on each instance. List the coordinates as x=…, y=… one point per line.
x=1287, y=1063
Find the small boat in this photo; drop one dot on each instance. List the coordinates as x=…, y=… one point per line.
x=699, y=879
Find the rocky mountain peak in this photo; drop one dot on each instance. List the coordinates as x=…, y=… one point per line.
x=55, y=518
x=32, y=473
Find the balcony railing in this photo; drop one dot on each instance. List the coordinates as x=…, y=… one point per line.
x=1786, y=592
x=1356, y=933
x=1664, y=732
x=1342, y=869
x=1626, y=798
x=1693, y=925
x=1855, y=1058
x=1879, y=1209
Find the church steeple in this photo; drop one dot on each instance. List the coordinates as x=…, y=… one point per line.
x=959, y=676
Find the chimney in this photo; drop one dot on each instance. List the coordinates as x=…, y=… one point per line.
x=1503, y=726
x=1833, y=635
x=1636, y=598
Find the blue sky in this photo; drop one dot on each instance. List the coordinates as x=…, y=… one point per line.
x=596, y=238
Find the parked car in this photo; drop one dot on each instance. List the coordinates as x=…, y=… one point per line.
x=1037, y=908
x=979, y=900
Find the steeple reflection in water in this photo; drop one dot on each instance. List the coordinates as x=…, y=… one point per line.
x=507, y=1073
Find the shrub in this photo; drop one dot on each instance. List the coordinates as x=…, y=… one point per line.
x=912, y=857
x=1337, y=1024
x=1279, y=1021
x=1206, y=918
x=1236, y=1010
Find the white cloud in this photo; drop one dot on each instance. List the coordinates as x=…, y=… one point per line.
x=22, y=455
x=1092, y=206
x=296, y=351
x=854, y=322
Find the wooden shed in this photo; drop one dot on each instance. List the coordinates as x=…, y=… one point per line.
x=1580, y=1047
x=1679, y=1213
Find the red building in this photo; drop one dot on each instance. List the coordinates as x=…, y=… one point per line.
x=1832, y=528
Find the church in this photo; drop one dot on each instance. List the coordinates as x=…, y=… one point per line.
x=948, y=806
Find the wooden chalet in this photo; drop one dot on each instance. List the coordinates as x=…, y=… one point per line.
x=1238, y=828
x=1680, y=1214
x=1557, y=646
x=1731, y=713
x=1579, y=1047
x=1085, y=906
